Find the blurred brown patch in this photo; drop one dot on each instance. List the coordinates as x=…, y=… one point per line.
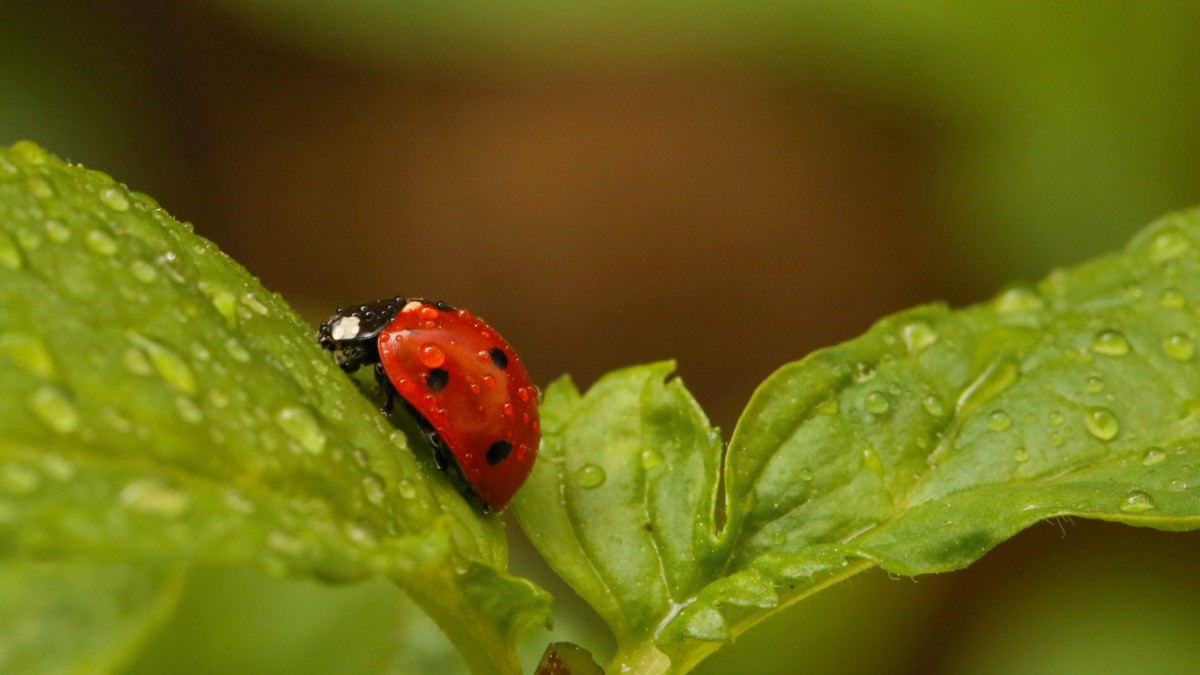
x=725, y=217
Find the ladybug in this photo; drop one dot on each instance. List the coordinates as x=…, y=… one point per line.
x=466, y=387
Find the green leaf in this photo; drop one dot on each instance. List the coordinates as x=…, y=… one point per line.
x=70, y=617
x=916, y=447
x=159, y=405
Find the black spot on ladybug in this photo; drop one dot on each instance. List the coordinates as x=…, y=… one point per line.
x=437, y=379
x=498, y=357
x=498, y=452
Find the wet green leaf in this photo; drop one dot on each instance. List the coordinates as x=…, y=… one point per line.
x=160, y=405
x=71, y=617
x=916, y=447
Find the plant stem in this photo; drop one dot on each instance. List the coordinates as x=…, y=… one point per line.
x=643, y=659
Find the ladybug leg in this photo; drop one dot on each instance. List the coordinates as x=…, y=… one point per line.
x=440, y=451
x=389, y=391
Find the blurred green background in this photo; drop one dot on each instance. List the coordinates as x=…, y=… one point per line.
x=731, y=184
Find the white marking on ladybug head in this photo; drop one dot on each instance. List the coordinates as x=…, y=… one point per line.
x=345, y=328
x=412, y=306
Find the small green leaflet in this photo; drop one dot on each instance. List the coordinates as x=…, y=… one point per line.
x=916, y=447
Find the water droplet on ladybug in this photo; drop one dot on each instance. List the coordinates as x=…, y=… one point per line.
x=428, y=312
x=489, y=380
x=507, y=409
x=431, y=355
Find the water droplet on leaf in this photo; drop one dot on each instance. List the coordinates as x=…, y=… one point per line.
x=917, y=336
x=1018, y=299
x=1101, y=423
x=300, y=424
x=1110, y=343
x=101, y=243
x=153, y=496
x=1137, y=502
x=1179, y=347
x=933, y=406
x=52, y=407
x=999, y=421
x=876, y=403
x=590, y=476
x=114, y=199
x=1153, y=456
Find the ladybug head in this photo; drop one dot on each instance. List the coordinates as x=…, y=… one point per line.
x=352, y=332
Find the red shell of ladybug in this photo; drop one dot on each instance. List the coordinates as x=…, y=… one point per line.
x=469, y=388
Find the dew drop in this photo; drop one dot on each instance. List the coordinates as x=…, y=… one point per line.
x=1153, y=456
x=1018, y=299
x=933, y=406
x=1172, y=297
x=871, y=460
x=1169, y=244
x=1021, y=455
x=917, y=336
x=52, y=407
x=39, y=188
x=18, y=479
x=137, y=363
x=188, y=410
x=237, y=351
x=237, y=501
x=489, y=380
x=255, y=304
x=374, y=488
x=1055, y=418
x=143, y=271
x=59, y=467
x=30, y=152
x=431, y=355
x=863, y=372
x=1094, y=385
x=29, y=352
x=1179, y=347
x=999, y=421
x=1137, y=502
x=1110, y=343
x=651, y=459
x=806, y=474
x=406, y=489
x=114, y=199
x=101, y=243
x=153, y=496
x=300, y=424
x=57, y=232
x=1101, y=423
x=876, y=403
x=282, y=542
x=10, y=255
x=1177, y=485
x=590, y=476
x=169, y=365
x=29, y=239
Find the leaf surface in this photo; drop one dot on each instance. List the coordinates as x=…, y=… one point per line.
x=159, y=405
x=70, y=617
x=917, y=447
